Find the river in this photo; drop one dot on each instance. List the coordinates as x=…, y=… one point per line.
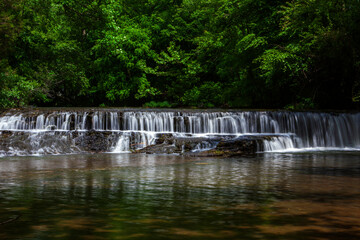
x=70, y=174
x=125, y=196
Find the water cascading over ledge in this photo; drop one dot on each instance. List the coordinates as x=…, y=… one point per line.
x=44, y=131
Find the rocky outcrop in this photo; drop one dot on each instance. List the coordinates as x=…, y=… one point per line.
x=217, y=146
x=162, y=148
x=239, y=146
x=232, y=147
x=25, y=143
x=94, y=141
x=59, y=142
x=165, y=138
x=168, y=144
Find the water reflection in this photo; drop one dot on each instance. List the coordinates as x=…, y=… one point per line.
x=117, y=196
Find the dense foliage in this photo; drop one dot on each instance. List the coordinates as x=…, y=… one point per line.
x=166, y=53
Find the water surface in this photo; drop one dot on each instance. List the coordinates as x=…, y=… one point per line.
x=123, y=196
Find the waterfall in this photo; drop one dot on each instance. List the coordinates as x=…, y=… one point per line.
x=135, y=129
x=133, y=140
x=278, y=144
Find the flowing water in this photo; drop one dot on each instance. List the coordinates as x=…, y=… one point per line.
x=302, y=184
x=47, y=131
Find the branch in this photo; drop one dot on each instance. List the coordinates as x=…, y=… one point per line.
x=11, y=220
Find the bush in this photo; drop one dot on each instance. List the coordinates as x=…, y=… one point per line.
x=207, y=95
x=153, y=104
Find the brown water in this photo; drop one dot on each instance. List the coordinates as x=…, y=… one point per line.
x=124, y=196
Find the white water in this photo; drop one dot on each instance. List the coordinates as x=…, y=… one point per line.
x=130, y=140
x=293, y=131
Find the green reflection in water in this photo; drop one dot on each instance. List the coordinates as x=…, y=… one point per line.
x=104, y=196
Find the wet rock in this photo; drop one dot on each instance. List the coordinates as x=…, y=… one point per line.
x=88, y=121
x=189, y=144
x=239, y=145
x=93, y=141
x=168, y=144
x=72, y=121
x=231, y=147
x=159, y=149
x=225, y=147
x=24, y=143
x=51, y=127
x=166, y=138
x=5, y=134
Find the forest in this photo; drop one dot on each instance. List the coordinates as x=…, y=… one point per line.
x=300, y=54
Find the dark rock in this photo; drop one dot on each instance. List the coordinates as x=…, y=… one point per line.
x=93, y=141
x=167, y=138
x=232, y=147
x=88, y=121
x=167, y=144
x=159, y=149
x=5, y=133
x=51, y=127
x=239, y=145
x=72, y=121
x=188, y=144
x=42, y=142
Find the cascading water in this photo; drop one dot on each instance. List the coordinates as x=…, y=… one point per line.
x=57, y=131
